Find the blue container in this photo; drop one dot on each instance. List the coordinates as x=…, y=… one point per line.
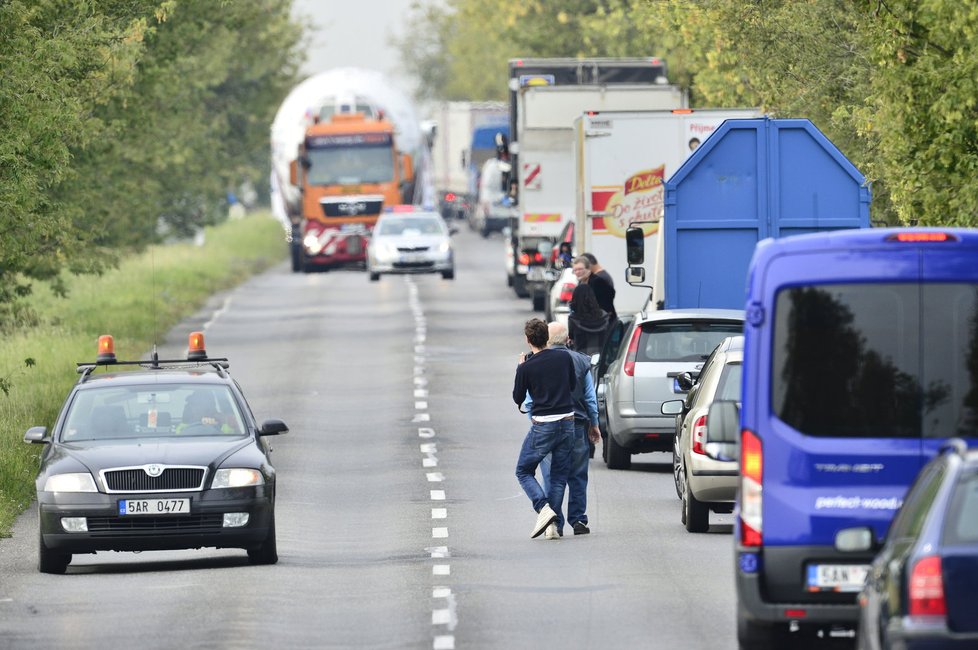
x=750, y=180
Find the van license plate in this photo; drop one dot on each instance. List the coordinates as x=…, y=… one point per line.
x=837, y=577
x=154, y=507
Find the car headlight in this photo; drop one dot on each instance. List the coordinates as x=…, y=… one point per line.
x=80, y=482
x=383, y=251
x=444, y=247
x=237, y=477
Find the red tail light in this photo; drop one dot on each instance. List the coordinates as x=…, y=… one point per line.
x=632, y=352
x=699, y=435
x=751, y=489
x=567, y=292
x=450, y=196
x=524, y=259
x=538, y=257
x=927, y=588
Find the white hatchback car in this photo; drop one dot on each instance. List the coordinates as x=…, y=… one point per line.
x=410, y=240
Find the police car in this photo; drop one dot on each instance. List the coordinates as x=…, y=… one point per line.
x=165, y=456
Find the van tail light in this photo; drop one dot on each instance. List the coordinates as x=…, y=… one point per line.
x=927, y=588
x=632, y=352
x=524, y=259
x=699, y=435
x=751, y=489
x=566, y=292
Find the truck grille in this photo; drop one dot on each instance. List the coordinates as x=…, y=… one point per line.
x=138, y=479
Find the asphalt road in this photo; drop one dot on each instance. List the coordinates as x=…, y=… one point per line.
x=400, y=521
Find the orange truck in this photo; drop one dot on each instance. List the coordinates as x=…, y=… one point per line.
x=348, y=167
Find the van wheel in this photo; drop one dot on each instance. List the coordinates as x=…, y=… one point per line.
x=374, y=276
x=755, y=636
x=696, y=514
x=49, y=561
x=618, y=456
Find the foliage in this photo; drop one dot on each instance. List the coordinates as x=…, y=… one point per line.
x=893, y=83
x=138, y=302
x=118, y=117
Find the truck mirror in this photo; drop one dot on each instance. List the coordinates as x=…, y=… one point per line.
x=635, y=275
x=635, y=245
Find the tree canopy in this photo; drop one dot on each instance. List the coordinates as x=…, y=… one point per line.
x=124, y=119
x=892, y=83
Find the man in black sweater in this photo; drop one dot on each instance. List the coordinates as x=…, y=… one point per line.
x=549, y=377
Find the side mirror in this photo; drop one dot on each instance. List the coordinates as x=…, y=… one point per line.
x=37, y=435
x=635, y=246
x=856, y=540
x=685, y=381
x=305, y=162
x=272, y=428
x=722, y=431
x=672, y=407
x=635, y=275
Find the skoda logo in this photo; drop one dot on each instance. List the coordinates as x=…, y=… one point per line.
x=352, y=207
x=153, y=470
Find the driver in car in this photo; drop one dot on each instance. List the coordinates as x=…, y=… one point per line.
x=201, y=414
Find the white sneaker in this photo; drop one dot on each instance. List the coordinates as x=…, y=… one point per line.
x=545, y=517
x=551, y=532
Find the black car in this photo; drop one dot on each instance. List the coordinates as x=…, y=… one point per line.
x=165, y=456
x=920, y=590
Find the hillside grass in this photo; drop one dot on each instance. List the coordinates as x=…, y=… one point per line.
x=137, y=302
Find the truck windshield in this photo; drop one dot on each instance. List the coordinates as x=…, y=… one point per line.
x=877, y=360
x=350, y=165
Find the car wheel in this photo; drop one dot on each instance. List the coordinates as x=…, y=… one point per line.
x=448, y=275
x=618, y=456
x=539, y=302
x=509, y=280
x=49, y=561
x=519, y=286
x=678, y=476
x=267, y=551
x=374, y=276
x=604, y=447
x=755, y=636
x=696, y=514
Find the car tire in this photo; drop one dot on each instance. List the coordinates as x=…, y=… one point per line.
x=604, y=447
x=448, y=275
x=756, y=636
x=519, y=286
x=696, y=514
x=509, y=280
x=678, y=473
x=618, y=456
x=267, y=551
x=49, y=561
x=539, y=302
x=374, y=276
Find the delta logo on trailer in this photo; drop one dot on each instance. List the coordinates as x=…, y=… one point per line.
x=639, y=199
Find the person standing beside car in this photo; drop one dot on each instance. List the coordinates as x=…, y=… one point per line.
x=603, y=285
x=550, y=379
x=587, y=323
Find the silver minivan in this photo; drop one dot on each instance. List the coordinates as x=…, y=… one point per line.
x=662, y=345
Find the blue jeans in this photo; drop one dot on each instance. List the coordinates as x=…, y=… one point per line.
x=577, y=479
x=543, y=438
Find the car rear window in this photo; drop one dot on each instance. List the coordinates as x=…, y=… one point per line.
x=683, y=340
x=961, y=525
x=877, y=360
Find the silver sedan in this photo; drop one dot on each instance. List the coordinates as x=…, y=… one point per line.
x=411, y=241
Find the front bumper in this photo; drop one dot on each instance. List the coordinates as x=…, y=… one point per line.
x=202, y=527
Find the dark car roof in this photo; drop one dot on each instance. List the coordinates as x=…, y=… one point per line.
x=161, y=376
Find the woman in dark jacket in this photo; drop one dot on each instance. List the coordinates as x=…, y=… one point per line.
x=587, y=323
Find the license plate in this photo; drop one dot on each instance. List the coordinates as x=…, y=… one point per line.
x=412, y=259
x=535, y=274
x=837, y=577
x=154, y=507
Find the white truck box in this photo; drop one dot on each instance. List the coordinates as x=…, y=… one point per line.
x=622, y=160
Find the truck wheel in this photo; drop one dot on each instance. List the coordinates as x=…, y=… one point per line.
x=296, y=253
x=539, y=302
x=756, y=636
x=519, y=286
x=49, y=561
x=696, y=514
x=618, y=456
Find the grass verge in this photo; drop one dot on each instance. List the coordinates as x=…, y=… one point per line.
x=148, y=294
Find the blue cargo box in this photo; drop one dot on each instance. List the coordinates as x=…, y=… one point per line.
x=750, y=180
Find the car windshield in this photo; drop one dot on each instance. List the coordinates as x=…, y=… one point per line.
x=410, y=226
x=877, y=360
x=152, y=410
x=961, y=526
x=683, y=341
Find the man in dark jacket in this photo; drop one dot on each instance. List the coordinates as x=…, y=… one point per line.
x=550, y=379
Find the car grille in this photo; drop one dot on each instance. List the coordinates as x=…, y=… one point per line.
x=412, y=249
x=172, y=479
x=156, y=525
x=413, y=265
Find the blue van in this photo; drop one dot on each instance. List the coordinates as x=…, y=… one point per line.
x=860, y=359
